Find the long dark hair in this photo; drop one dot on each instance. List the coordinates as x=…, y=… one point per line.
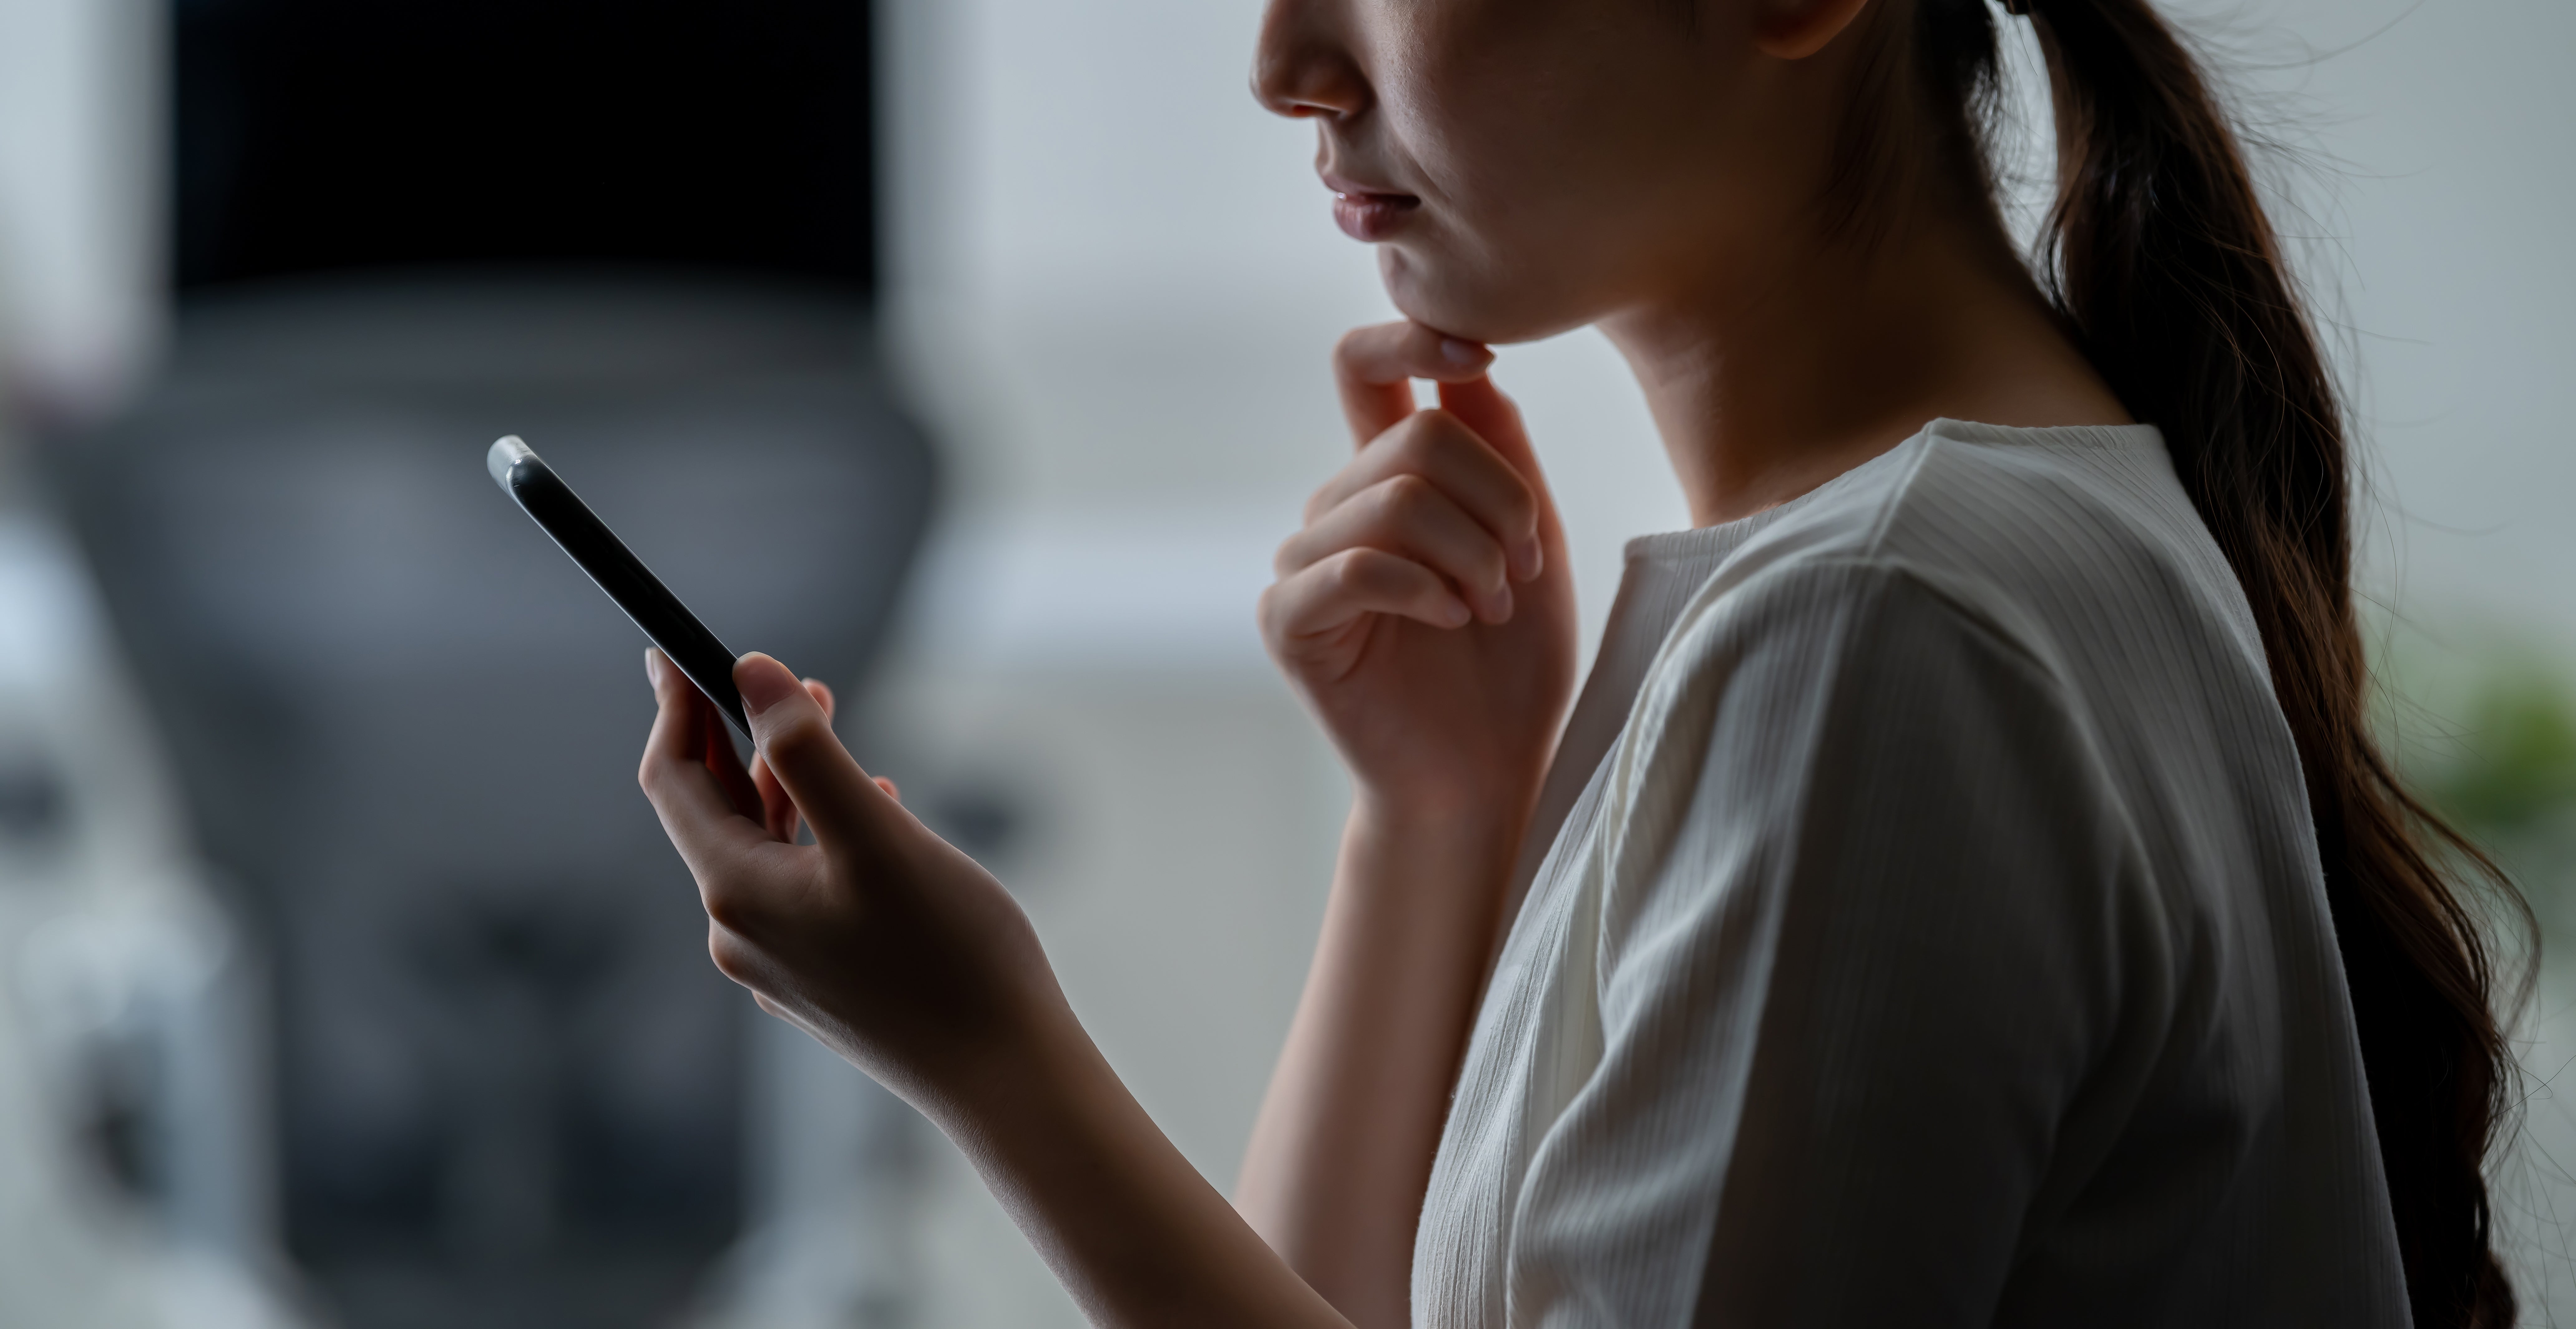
x=2160, y=258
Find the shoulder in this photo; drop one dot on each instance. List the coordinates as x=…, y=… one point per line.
x=1851, y=746
x=2041, y=542
x=1877, y=706
x=1835, y=645
x=2007, y=573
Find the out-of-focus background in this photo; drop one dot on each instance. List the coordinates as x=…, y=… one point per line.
x=970, y=354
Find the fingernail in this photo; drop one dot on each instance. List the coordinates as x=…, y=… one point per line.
x=1463, y=353
x=1503, y=603
x=1534, y=558
x=764, y=682
x=652, y=666
x=1459, y=615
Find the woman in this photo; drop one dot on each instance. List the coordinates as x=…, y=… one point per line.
x=1966, y=891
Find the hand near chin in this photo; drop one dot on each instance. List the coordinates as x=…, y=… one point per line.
x=1426, y=610
x=880, y=939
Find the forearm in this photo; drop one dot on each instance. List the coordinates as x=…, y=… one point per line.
x=906, y=957
x=1342, y=1151
x=1134, y=1232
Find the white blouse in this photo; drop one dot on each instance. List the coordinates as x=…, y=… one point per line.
x=1924, y=927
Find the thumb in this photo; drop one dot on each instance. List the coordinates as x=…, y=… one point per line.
x=794, y=735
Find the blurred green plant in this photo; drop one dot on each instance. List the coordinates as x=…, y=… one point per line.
x=2516, y=773
x=2503, y=773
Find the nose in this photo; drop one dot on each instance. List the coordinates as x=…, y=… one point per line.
x=1303, y=65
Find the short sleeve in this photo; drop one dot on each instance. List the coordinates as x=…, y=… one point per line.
x=1864, y=913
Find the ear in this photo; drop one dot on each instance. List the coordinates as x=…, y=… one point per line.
x=1796, y=29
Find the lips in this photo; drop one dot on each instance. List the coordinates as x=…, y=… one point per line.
x=1365, y=213
x=1372, y=216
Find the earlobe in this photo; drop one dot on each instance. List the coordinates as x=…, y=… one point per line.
x=1796, y=29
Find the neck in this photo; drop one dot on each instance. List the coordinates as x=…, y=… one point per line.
x=1839, y=355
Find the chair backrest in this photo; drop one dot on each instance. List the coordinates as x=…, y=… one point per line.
x=408, y=725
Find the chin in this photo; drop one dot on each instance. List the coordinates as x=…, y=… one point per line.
x=1463, y=301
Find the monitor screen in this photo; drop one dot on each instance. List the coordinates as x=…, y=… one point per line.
x=314, y=135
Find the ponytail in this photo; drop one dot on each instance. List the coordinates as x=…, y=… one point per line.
x=2159, y=256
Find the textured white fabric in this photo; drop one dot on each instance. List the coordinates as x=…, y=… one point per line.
x=1934, y=936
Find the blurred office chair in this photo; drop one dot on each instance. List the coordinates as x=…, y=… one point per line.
x=511, y=1087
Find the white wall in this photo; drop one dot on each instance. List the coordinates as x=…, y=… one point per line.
x=80, y=198
x=2443, y=179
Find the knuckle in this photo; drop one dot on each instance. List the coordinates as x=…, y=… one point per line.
x=1407, y=444
x=1439, y=429
x=1441, y=441
x=1280, y=626
x=1379, y=574
x=1352, y=569
x=805, y=729
x=655, y=774
x=796, y=738
x=731, y=954
x=728, y=905
x=1405, y=497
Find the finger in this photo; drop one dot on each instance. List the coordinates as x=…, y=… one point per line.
x=796, y=737
x=717, y=752
x=675, y=736
x=704, y=731
x=696, y=811
x=1331, y=594
x=1409, y=516
x=1374, y=368
x=778, y=811
x=1439, y=447
x=1495, y=418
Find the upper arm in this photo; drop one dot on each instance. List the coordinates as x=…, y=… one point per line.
x=1857, y=951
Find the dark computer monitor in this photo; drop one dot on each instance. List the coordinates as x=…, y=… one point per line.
x=313, y=135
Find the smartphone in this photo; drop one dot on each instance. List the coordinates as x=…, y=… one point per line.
x=542, y=495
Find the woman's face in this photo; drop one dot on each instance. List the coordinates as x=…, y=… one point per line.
x=1528, y=166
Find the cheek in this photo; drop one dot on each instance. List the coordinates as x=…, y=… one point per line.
x=1520, y=246
x=1494, y=295
x=1539, y=182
